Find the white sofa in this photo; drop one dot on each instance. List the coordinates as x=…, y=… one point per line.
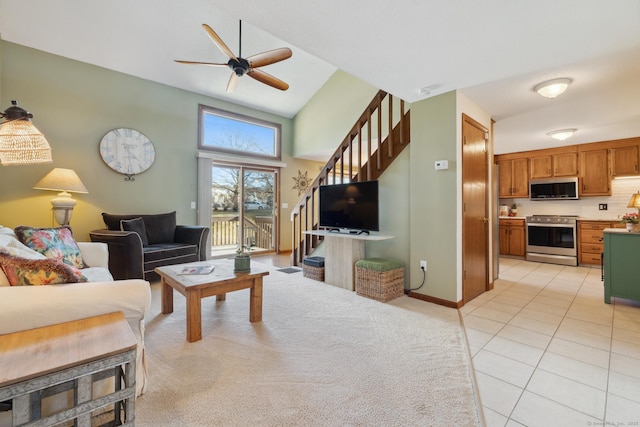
x=28, y=307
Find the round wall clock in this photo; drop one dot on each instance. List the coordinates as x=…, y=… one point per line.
x=127, y=151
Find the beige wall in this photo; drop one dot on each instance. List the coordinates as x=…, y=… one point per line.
x=74, y=105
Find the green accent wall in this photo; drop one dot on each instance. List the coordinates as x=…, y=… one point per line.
x=327, y=118
x=432, y=203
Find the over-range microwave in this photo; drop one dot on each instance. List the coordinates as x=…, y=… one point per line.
x=554, y=189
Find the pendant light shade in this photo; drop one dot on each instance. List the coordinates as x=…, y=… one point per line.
x=21, y=143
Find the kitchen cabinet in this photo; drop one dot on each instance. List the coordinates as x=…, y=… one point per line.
x=565, y=164
x=624, y=161
x=552, y=165
x=512, y=237
x=541, y=167
x=621, y=250
x=591, y=240
x=513, y=178
x=594, y=173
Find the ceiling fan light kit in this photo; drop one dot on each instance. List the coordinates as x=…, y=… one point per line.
x=249, y=66
x=552, y=88
x=562, y=134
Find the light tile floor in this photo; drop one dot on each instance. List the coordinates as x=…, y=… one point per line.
x=547, y=350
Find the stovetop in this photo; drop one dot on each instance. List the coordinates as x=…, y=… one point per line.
x=552, y=219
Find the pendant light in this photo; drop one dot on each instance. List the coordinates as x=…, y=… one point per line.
x=21, y=143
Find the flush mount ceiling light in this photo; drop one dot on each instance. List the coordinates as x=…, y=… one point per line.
x=552, y=88
x=561, y=134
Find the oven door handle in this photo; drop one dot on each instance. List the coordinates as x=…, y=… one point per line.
x=533, y=224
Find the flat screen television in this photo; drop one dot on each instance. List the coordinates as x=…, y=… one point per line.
x=352, y=206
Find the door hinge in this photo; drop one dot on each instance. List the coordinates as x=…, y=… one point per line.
x=486, y=136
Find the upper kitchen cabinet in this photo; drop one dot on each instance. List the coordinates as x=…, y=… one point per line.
x=624, y=161
x=565, y=164
x=554, y=162
x=541, y=167
x=594, y=176
x=513, y=178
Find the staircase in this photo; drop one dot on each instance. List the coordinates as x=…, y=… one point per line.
x=374, y=141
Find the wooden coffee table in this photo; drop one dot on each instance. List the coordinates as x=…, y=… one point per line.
x=194, y=287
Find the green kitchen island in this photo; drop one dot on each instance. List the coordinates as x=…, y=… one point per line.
x=620, y=263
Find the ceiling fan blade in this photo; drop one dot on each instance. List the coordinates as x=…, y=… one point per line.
x=268, y=79
x=269, y=57
x=218, y=42
x=233, y=82
x=213, y=64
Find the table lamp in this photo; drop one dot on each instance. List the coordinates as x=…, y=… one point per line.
x=63, y=180
x=635, y=201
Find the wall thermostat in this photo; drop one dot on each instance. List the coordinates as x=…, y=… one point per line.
x=441, y=165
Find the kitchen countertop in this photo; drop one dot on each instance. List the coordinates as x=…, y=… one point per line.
x=618, y=231
x=512, y=217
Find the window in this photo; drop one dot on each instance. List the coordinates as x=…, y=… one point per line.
x=231, y=133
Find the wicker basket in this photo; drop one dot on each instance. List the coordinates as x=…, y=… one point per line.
x=311, y=272
x=381, y=286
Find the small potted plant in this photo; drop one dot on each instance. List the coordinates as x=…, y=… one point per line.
x=514, y=210
x=632, y=221
x=242, y=260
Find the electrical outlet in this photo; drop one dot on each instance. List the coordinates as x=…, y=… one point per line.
x=602, y=206
x=423, y=265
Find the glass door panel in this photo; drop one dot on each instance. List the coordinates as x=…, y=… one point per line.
x=225, y=209
x=247, y=196
x=259, y=229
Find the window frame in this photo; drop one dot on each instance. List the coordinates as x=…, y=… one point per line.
x=277, y=128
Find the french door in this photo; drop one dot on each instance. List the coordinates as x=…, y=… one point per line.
x=244, y=208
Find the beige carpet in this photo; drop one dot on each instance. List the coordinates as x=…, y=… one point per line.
x=322, y=356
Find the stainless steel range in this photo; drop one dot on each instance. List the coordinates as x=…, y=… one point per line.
x=552, y=239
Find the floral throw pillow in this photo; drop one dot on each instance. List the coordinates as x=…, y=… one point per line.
x=35, y=272
x=54, y=243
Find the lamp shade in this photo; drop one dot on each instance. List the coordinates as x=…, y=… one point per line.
x=21, y=143
x=634, y=202
x=552, y=88
x=60, y=179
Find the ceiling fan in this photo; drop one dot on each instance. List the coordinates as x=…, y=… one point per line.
x=249, y=66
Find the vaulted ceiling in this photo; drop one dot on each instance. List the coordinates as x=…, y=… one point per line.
x=493, y=51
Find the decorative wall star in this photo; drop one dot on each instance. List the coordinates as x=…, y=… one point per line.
x=301, y=182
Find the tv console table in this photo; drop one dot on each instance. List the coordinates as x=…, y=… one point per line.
x=342, y=250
